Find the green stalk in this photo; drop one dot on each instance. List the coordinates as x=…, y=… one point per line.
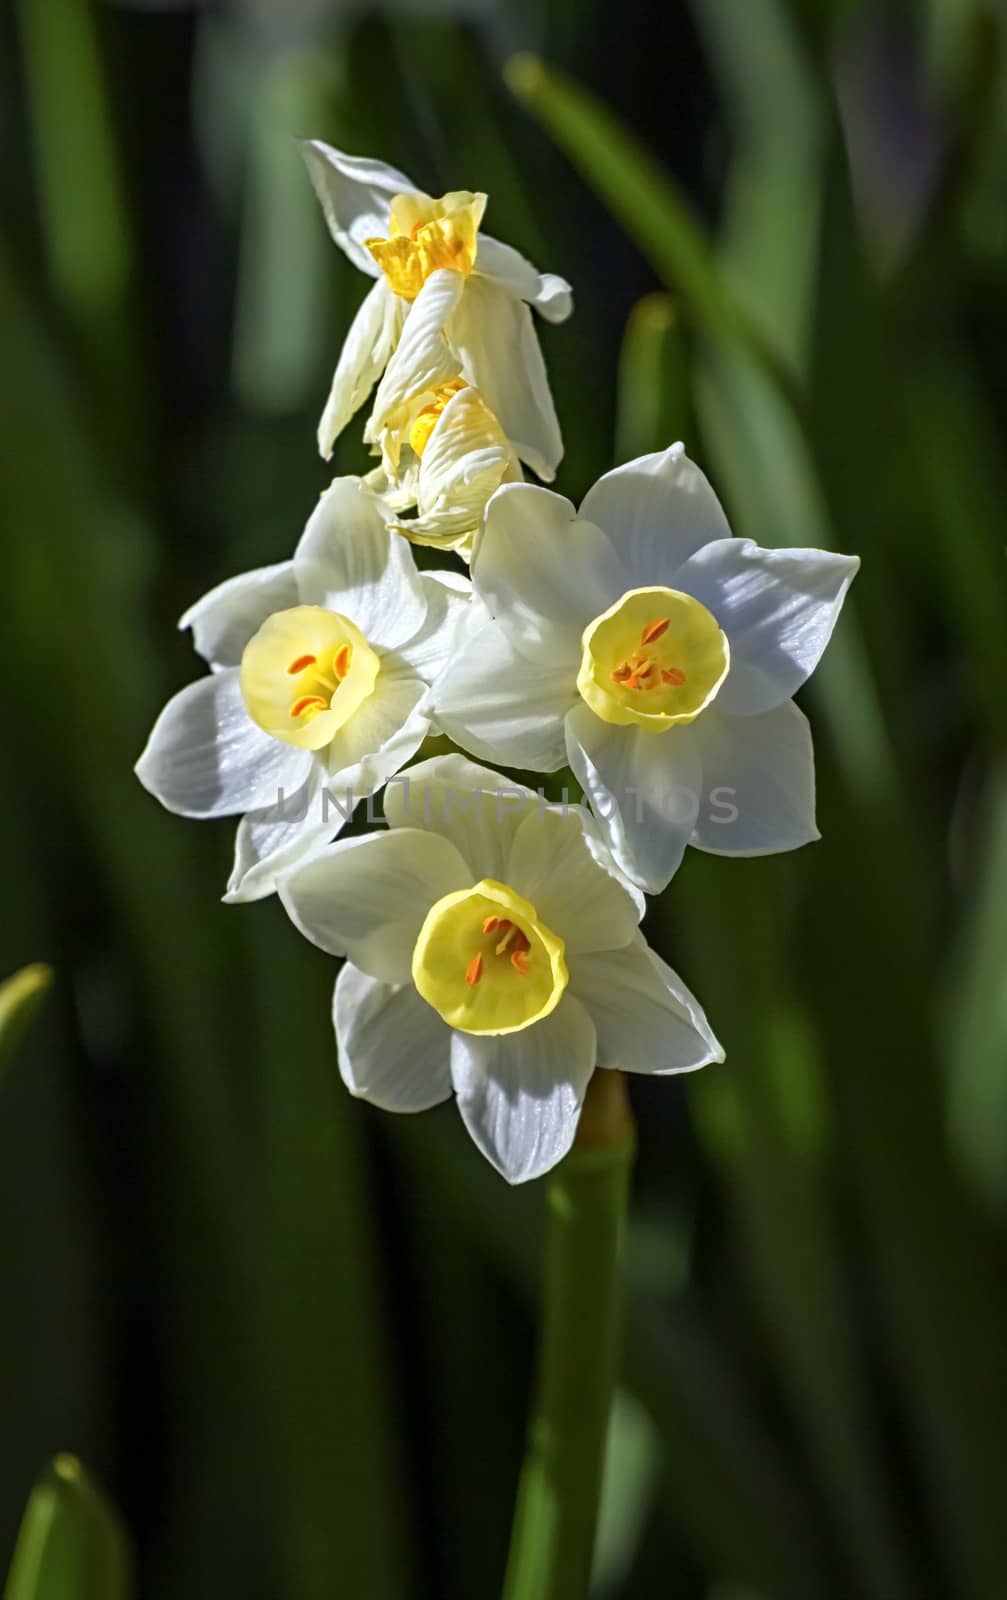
x=552, y=1541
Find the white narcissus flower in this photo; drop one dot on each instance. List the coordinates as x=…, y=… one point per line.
x=492, y=953
x=319, y=688
x=448, y=302
x=640, y=642
x=448, y=459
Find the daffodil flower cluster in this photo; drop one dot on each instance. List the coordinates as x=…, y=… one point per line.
x=491, y=940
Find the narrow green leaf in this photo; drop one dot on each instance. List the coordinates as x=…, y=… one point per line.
x=628, y=1486
x=75, y=524
x=978, y=1034
x=653, y=399
x=641, y=195
x=72, y=1544
x=339, y=1478
x=286, y=261
x=20, y=997
x=79, y=188
x=766, y=1122
x=955, y=443
x=771, y=215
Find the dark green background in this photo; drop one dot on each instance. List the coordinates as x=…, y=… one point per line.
x=294, y=1337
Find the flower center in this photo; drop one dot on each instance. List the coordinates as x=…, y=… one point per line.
x=425, y=235
x=305, y=673
x=655, y=658
x=427, y=419
x=485, y=962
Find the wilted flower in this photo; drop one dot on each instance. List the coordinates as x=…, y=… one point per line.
x=447, y=460
x=643, y=644
x=449, y=302
x=319, y=687
x=493, y=953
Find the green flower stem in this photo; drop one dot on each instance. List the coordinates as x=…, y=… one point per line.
x=552, y=1540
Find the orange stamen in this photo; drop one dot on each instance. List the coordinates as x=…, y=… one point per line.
x=654, y=630
x=300, y=664
x=491, y=924
x=519, y=961
x=622, y=673
x=673, y=675
x=306, y=700
x=474, y=970
x=342, y=660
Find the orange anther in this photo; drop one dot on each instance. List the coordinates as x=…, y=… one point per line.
x=342, y=660
x=300, y=664
x=673, y=675
x=654, y=630
x=519, y=961
x=300, y=706
x=622, y=673
x=491, y=924
x=474, y=970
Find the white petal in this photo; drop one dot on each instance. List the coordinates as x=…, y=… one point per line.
x=423, y=359
x=272, y=841
x=374, y=333
x=465, y=429
x=477, y=809
x=380, y=737
x=206, y=757
x=225, y=619
x=366, y=897
x=504, y=707
x=554, y=300
x=544, y=572
x=548, y=293
x=493, y=333
x=520, y=1095
x=645, y=1017
x=457, y=582
x=758, y=782
x=355, y=194
x=394, y=1050
x=449, y=602
x=643, y=788
x=349, y=561
x=657, y=510
x=552, y=864
x=475, y=618
x=687, y=999
x=466, y=459
x=778, y=609
x=398, y=496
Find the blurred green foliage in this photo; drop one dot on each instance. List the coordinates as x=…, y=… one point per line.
x=71, y=1545
x=294, y=1336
